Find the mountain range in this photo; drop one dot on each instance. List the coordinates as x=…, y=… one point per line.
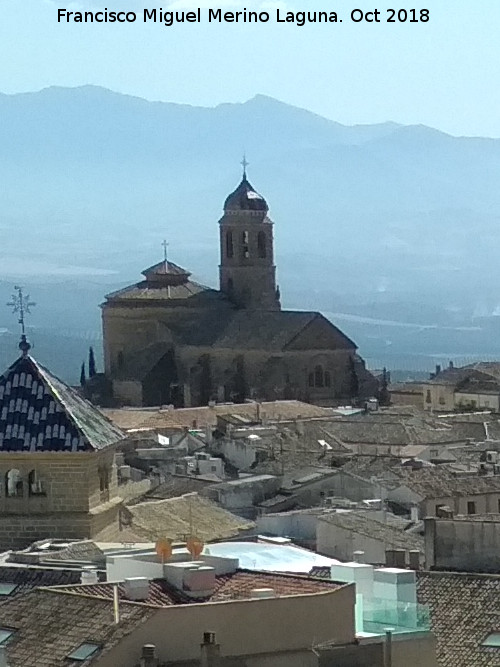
x=382, y=226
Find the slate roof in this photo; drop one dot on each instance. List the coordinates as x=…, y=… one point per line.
x=364, y=524
x=464, y=609
x=39, y=413
x=49, y=625
x=236, y=585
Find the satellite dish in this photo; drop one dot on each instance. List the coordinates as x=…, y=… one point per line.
x=163, y=548
x=194, y=546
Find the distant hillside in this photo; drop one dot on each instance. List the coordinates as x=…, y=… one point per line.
x=370, y=220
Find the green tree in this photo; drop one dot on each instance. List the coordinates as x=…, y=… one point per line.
x=92, y=370
x=83, y=379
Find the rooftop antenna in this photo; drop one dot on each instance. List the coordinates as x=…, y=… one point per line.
x=244, y=164
x=21, y=304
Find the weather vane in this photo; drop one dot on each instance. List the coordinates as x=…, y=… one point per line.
x=21, y=304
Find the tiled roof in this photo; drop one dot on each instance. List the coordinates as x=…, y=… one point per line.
x=27, y=577
x=173, y=518
x=145, y=291
x=49, y=625
x=439, y=482
x=237, y=585
x=364, y=524
x=156, y=417
x=86, y=550
x=464, y=609
x=38, y=412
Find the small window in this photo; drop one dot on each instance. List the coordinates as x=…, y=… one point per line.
x=261, y=245
x=428, y=396
x=245, y=250
x=35, y=485
x=13, y=484
x=318, y=377
x=84, y=651
x=441, y=400
x=471, y=507
x=492, y=640
x=5, y=635
x=6, y=588
x=229, y=245
x=214, y=468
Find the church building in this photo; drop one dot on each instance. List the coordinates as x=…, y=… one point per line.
x=171, y=341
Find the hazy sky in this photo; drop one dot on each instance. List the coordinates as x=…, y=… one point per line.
x=444, y=73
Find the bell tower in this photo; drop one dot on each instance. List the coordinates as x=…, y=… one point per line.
x=247, y=272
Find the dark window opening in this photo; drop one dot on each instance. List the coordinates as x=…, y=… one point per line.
x=229, y=245
x=328, y=380
x=428, y=396
x=261, y=245
x=471, y=507
x=318, y=377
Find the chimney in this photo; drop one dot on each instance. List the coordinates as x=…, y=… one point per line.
x=136, y=588
x=438, y=369
x=414, y=559
x=450, y=365
x=399, y=558
x=87, y=576
x=149, y=656
x=358, y=556
x=210, y=651
x=414, y=513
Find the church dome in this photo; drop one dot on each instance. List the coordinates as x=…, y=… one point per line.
x=245, y=198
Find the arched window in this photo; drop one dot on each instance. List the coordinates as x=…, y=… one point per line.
x=261, y=244
x=245, y=250
x=318, y=376
x=13, y=484
x=35, y=485
x=229, y=244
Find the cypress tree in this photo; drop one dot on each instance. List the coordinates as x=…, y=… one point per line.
x=83, y=379
x=92, y=370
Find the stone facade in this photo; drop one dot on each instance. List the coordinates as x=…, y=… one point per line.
x=74, y=497
x=168, y=340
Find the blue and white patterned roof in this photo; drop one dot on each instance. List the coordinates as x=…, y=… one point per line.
x=40, y=413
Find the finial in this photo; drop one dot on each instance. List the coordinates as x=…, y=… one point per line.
x=24, y=346
x=244, y=164
x=165, y=249
x=21, y=304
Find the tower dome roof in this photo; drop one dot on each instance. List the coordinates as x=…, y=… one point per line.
x=245, y=198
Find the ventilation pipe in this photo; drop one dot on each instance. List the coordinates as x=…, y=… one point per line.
x=210, y=651
x=149, y=656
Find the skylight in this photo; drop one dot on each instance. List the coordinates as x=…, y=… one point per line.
x=5, y=635
x=7, y=589
x=84, y=651
x=492, y=640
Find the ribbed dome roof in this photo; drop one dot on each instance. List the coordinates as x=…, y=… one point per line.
x=245, y=198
